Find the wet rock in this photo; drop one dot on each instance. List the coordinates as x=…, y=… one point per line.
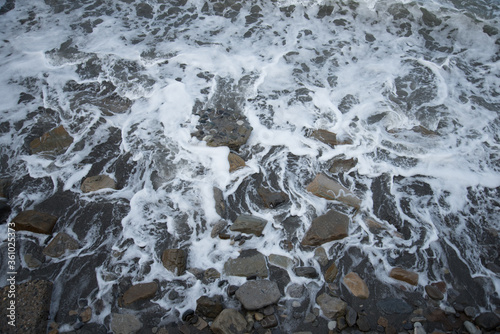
x=249, y=263
x=356, y=285
x=470, y=311
x=469, y=326
x=363, y=323
x=321, y=256
x=404, y=275
x=330, y=273
x=94, y=183
x=433, y=292
x=34, y=221
x=394, y=306
x=272, y=199
x=53, y=142
x=249, y=224
x=341, y=323
x=219, y=227
x=350, y=316
x=323, y=186
x=295, y=290
x=235, y=162
x=229, y=321
x=331, y=226
x=488, y=321
x=4, y=187
x=269, y=321
x=211, y=275
x=280, y=261
x=31, y=261
x=174, y=260
x=308, y=272
x=4, y=210
x=144, y=10
x=220, y=204
x=86, y=314
x=209, y=307
x=141, y=291
x=342, y=165
x=430, y=19
x=61, y=243
x=332, y=307
x=32, y=306
x=328, y=138
x=254, y=295
x=418, y=328
x=125, y=324
x=223, y=128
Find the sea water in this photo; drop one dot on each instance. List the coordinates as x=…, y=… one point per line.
x=414, y=85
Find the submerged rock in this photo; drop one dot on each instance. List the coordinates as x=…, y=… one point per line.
x=34, y=221
x=356, y=285
x=249, y=224
x=249, y=263
x=174, y=260
x=308, y=272
x=404, y=275
x=272, y=199
x=331, y=226
x=138, y=292
x=229, y=321
x=94, y=183
x=342, y=165
x=235, y=162
x=254, y=295
x=125, y=324
x=53, y=142
x=61, y=243
x=332, y=307
x=393, y=306
x=323, y=186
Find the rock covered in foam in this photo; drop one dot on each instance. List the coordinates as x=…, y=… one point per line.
x=53, y=142
x=98, y=182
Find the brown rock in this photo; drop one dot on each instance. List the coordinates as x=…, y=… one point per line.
x=94, y=183
x=86, y=314
x=332, y=307
x=249, y=224
x=229, y=321
x=138, y=292
x=55, y=141
x=174, y=260
x=323, y=186
x=356, y=285
x=235, y=162
x=433, y=292
x=34, y=221
x=342, y=165
x=220, y=205
x=272, y=199
x=331, y=226
x=58, y=246
x=404, y=275
x=249, y=263
x=331, y=273
x=209, y=307
x=328, y=138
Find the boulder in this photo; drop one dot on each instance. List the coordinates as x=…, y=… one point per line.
x=254, y=295
x=356, y=285
x=209, y=307
x=174, y=260
x=323, y=186
x=32, y=307
x=34, y=221
x=125, y=324
x=53, y=142
x=272, y=199
x=404, y=275
x=61, y=243
x=229, y=321
x=332, y=307
x=331, y=273
x=488, y=321
x=331, y=226
x=249, y=224
x=138, y=292
x=249, y=263
x=235, y=162
x=94, y=183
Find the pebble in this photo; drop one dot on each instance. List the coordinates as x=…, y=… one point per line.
x=419, y=329
x=295, y=304
x=470, y=311
x=471, y=328
x=332, y=325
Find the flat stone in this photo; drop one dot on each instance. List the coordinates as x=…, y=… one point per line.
x=272, y=199
x=295, y=290
x=98, y=182
x=229, y=321
x=433, y=292
x=332, y=307
x=308, y=272
x=55, y=141
x=209, y=307
x=34, y=221
x=141, y=291
x=488, y=321
x=404, y=275
x=321, y=256
x=32, y=307
x=235, y=162
x=218, y=227
x=254, y=295
x=269, y=321
x=174, y=260
x=280, y=261
x=220, y=204
x=249, y=263
x=471, y=328
x=394, y=306
x=61, y=243
x=350, y=316
x=356, y=285
x=331, y=226
x=331, y=273
x=249, y=224
x=323, y=186
x=125, y=324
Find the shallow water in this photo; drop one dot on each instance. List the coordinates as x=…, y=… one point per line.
x=414, y=85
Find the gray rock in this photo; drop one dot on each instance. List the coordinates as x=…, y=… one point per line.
x=430, y=19
x=418, y=328
x=53, y=142
x=323, y=186
x=295, y=290
x=31, y=261
x=308, y=272
x=249, y=263
x=488, y=321
x=174, y=260
x=229, y=321
x=220, y=204
x=249, y=224
x=470, y=311
x=471, y=328
x=218, y=228
x=98, y=182
x=350, y=316
x=394, y=306
x=272, y=199
x=280, y=260
x=141, y=291
x=332, y=307
x=269, y=321
x=433, y=292
x=328, y=138
x=331, y=273
x=34, y=221
x=254, y=295
x=144, y=10
x=61, y=243
x=363, y=323
x=125, y=324
x=209, y=307
x=331, y=226
x=321, y=256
